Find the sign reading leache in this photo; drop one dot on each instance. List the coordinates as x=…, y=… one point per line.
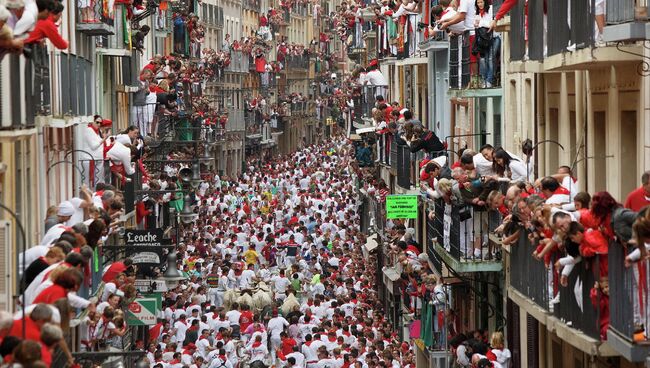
x=402, y=206
x=145, y=246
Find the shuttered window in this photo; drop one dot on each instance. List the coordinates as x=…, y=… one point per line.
x=532, y=337
x=514, y=340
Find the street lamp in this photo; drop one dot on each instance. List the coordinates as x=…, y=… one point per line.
x=172, y=275
x=21, y=230
x=187, y=215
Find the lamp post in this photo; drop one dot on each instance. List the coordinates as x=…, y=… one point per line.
x=21, y=230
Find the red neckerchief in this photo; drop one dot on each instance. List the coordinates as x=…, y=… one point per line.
x=94, y=128
x=257, y=344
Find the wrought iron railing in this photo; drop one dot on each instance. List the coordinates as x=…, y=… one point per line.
x=74, y=85
x=239, y=62
x=95, y=17
x=463, y=230
x=297, y=62
x=629, y=309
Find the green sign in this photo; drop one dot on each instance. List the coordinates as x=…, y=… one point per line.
x=401, y=206
x=143, y=312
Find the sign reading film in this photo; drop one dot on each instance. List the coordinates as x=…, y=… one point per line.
x=401, y=206
x=145, y=247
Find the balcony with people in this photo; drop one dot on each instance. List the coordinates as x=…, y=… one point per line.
x=93, y=19
x=239, y=62
x=549, y=35
x=569, y=253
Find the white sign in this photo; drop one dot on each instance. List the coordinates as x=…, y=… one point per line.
x=144, y=285
x=145, y=257
x=446, y=232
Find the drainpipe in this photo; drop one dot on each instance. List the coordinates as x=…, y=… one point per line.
x=645, y=159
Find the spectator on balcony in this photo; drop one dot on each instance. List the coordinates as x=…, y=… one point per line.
x=137, y=40
x=640, y=197
x=553, y=192
x=7, y=40
x=375, y=77
x=486, y=44
x=46, y=28
x=16, y=10
x=95, y=136
x=507, y=166
x=34, y=11
x=424, y=139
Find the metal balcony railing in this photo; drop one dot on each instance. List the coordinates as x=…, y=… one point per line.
x=626, y=284
x=95, y=18
x=523, y=266
x=236, y=122
x=239, y=62
x=163, y=21
x=74, y=86
x=28, y=81
x=251, y=5
x=574, y=306
x=384, y=145
x=574, y=28
x=462, y=230
x=297, y=62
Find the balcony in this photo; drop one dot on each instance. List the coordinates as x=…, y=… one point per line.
x=459, y=235
x=297, y=63
x=114, y=44
x=74, y=83
x=577, y=317
x=627, y=21
x=253, y=5
x=570, y=39
x=239, y=62
x=365, y=101
x=236, y=122
x=27, y=83
x=93, y=20
x=626, y=311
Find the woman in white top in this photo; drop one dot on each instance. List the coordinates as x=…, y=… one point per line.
x=508, y=166
x=489, y=48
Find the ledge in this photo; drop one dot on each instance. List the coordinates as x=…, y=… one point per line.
x=593, y=57
x=576, y=338
x=628, y=32
x=475, y=92
x=633, y=352
x=528, y=305
x=466, y=267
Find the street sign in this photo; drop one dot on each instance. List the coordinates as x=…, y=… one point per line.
x=401, y=206
x=145, y=285
x=142, y=312
x=145, y=246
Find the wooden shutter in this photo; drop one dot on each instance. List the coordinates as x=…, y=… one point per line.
x=514, y=340
x=532, y=334
x=6, y=266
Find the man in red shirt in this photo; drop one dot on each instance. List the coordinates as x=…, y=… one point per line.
x=40, y=315
x=47, y=28
x=287, y=343
x=640, y=197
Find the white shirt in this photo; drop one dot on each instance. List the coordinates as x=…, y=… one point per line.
x=469, y=8
x=276, y=326
x=483, y=167
x=233, y=317
x=181, y=329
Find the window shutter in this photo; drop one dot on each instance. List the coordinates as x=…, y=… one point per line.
x=532, y=334
x=6, y=262
x=514, y=341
